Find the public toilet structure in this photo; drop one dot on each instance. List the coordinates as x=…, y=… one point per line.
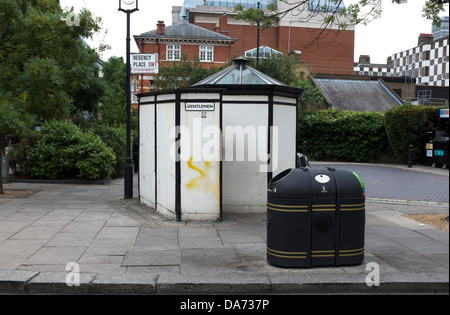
x=213, y=147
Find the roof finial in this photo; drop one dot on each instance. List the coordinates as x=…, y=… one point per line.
x=241, y=60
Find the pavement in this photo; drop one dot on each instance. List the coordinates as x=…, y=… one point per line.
x=78, y=238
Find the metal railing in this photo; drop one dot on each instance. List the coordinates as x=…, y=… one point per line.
x=426, y=101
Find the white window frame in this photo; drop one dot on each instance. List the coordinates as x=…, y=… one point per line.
x=173, y=52
x=206, y=53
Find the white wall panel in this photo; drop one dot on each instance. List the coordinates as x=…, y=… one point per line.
x=147, y=154
x=284, y=118
x=200, y=160
x=244, y=185
x=165, y=172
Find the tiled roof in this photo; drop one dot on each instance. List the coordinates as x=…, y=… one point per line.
x=359, y=95
x=184, y=29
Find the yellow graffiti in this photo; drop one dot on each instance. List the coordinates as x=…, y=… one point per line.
x=194, y=182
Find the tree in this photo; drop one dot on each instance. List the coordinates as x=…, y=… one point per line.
x=113, y=109
x=252, y=15
x=13, y=119
x=311, y=99
x=45, y=69
x=280, y=67
x=43, y=60
x=182, y=73
x=88, y=87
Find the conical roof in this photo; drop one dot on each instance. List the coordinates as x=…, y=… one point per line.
x=239, y=73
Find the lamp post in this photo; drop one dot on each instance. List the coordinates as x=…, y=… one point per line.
x=258, y=20
x=128, y=6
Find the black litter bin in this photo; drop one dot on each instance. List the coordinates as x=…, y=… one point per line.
x=316, y=217
x=440, y=152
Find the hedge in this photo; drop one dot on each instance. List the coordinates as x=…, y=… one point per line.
x=343, y=135
x=407, y=125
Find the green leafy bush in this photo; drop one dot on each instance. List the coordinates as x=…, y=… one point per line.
x=407, y=125
x=343, y=135
x=62, y=150
x=18, y=153
x=114, y=137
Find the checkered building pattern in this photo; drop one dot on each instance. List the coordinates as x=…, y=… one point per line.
x=428, y=63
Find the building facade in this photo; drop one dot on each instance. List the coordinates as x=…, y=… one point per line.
x=427, y=62
x=441, y=30
x=365, y=67
x=170, y=43
x=300, y=30
x=425, y=65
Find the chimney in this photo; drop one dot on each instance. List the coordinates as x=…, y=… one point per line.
x=425, y=39
x=364, y=59
x=223, y=23
x=389, y=61
x=160, y=27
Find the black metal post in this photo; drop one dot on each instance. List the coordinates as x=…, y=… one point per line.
x=305, y=148
x=410, y=152
x=257, y=41
x=128, y=169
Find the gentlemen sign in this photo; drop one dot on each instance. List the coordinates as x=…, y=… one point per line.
x=207, y=106
x=144, y=63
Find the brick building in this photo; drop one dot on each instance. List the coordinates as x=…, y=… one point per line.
x=170, y=43
x=365, y=67
x=295, y=32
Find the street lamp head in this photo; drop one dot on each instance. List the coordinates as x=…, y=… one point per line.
x=128, y=5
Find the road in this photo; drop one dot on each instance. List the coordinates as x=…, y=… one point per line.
x=395, y=183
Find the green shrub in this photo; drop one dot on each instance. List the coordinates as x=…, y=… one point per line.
x=114, y=137
x=18, y=153
x=62, y=150
x=343, y=135
x=407, y=125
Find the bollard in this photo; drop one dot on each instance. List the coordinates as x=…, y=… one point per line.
x=304, y=149
x=410, y=150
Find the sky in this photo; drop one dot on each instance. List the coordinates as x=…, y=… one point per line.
x=397, y=30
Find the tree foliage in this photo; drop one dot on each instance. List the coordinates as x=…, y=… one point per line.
x=280, y=67
x=46, y=71
x=311, y=99
x=113, y=109
x=44, y=64
x=182, y=73
x=255, y=15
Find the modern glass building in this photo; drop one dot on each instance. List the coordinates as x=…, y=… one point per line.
x=190, y=4
x=442, y=30
x=264, y=52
